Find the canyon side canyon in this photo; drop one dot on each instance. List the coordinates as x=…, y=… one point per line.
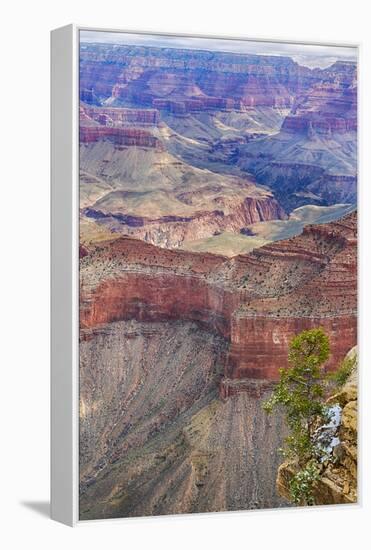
x=217, y=220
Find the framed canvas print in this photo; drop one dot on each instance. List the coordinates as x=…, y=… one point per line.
x=204, y=274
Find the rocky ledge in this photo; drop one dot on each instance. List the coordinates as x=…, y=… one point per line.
x=338, y=482
x=120, y=136
x=172, y=231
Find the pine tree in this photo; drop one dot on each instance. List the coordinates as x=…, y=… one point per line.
x=300, y=394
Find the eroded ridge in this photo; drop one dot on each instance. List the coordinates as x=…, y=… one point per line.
x=257, y=301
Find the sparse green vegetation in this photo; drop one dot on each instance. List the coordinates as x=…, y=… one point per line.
x=341, y=375
x=301, y=485
x=300, y=392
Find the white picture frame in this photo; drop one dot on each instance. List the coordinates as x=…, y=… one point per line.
x=64, y=265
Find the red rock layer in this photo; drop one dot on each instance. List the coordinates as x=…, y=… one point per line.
x=167, y=285
x=259, y=345
x=161, y=297
x=120, y=136
x=256, y=301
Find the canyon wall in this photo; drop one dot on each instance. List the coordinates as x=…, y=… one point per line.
x=313, y=159
x=154, y=436
x=324, y=109
x=172, y=230
x=146, y=192
x=257, y=302
x=160, y=297
x=259, y=346
x=120, y=136
x=293, y=128
x=178, y=349
x=111, y=116
x=186, y=81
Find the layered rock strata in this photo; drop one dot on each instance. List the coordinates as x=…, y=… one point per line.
x=130, y=183
x=292, y=127
x=171, y=231
x=324, y=109
x=120, y=136
x=184, y=80
x=256, y=301
x=313, y=159
x=111, y=116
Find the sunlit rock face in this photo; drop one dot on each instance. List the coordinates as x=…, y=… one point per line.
x=256, y=301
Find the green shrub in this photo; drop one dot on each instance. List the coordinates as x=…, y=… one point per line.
x=300, y=392
x=341, y=375
x=302, y=484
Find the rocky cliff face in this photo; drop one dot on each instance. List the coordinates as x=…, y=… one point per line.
x=190, y=80
x=193, y=80
x=338, y=481
x=179, y=350
x=171, y=231
x=110, y=116
x=328, y=107
x=154, y=436
x=119, y=136
x=257, y=301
